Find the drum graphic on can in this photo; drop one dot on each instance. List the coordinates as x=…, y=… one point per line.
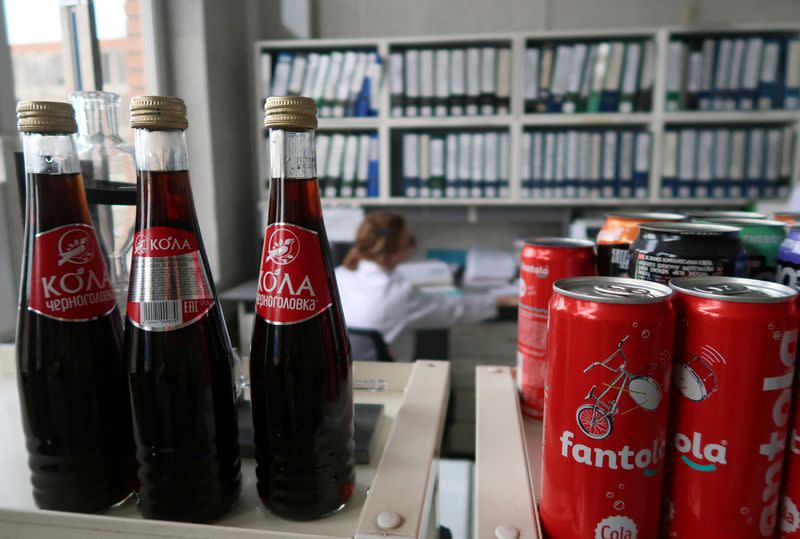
x=695, y=379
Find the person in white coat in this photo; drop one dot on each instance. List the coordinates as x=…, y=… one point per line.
x=375, y=296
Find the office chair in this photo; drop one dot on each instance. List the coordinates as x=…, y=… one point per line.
x=368, y=345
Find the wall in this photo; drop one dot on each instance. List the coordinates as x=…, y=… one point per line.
x=361, y=18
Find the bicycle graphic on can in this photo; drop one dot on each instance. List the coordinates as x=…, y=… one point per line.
x=596, y=418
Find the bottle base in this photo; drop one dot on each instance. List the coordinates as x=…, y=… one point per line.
x=299, y=516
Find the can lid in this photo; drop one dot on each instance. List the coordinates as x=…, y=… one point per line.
x=612, y=290
x=692, y=229
x=46, y=117
x=648, y=216
x=705, y=214
x=547, y=241
x=294, y=112
x=734, y=289
x=748, y=222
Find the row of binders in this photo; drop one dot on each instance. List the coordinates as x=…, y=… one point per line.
x=347, y=165
x=733, y=163
x=589, y=77
x=450, y=82
x=343, y=83
x=456, y=165
x=585, y=163
x=710, y=73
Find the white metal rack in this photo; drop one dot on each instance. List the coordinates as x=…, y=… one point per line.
x=656, y=120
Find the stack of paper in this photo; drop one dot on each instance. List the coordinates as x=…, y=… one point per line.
x=488, y=268
x=425, y=273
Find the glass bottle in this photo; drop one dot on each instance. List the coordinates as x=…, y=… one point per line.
x=72, y=382
x=176, y=344
x=105, y=157
x=300, y=363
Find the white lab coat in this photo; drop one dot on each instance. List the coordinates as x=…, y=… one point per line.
x=375, y=298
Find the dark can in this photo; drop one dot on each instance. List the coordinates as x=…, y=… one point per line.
x=543, y=261
x=761, y=239
x=615, y=238
x=788, y=272
x=724, y=214
x=663, y=251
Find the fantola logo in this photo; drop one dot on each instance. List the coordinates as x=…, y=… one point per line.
x=540, y=271
x=283, y=247
x=705, y=456
x=648, y=460
x=616, y=527
x=75, y=246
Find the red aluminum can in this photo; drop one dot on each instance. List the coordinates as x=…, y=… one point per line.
x=543, y=262
x=609, y=361
x=790, y=497
x=734, y=366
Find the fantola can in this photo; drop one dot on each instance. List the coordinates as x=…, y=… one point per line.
x=789, y=523
x=663, y=251
x=761, y=238
x=615, y=238
x=609, y=358
x=543, y=262
x=734, y=366
x=788, y=272
x=787, y=217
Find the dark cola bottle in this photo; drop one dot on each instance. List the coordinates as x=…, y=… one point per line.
x=176, y=343
x=300, y=365
x=72, y=381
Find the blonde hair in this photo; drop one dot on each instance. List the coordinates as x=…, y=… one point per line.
x=378, y=237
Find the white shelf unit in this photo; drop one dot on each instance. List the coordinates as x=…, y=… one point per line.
x=517, y=121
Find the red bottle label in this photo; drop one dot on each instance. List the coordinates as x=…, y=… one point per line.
x=292, y=286
x=69, y=280
x=169, y=286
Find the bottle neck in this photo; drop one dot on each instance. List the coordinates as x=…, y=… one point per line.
x=96, y=114
x=50, y=154
x=292, y=154
x=160, y=150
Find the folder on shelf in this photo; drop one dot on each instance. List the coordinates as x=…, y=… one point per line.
x=748, y=94
x=490, y=147
x=625, y=186
x=437, y=165
x=531, y=94
x=458, y=92
x=557, y=190
x=372, y=86
x=473, y=67
x=571, y=164
x=669, y=165
x=770, y=92
x=347, y=188
x=705, y=162
x=598, y=78
x=411, y=165
x=596, y=169
x=464, y=164
x=573, y=78
x=362, y=172
x=787, y=160
x=722, y=72
x=633, y=53
x=586, y=79
x=425, y=165
x=687, y=162
x=644, y=100
x=772, y=163
x=675, y=71
x=549, y=162
x=265, y=67
x=442, y=90
x=737, y=68
x=451, y=171
x=505, y=164
x=641, y=166
x=396, y=79
x=476, y=174
x=545, y=77
x=323, y=151
x=791, y=95
x=312, y=65
x=335, y=165
x=558, y=84
x=373, y=179
x=283, y=70
x=609, y=102
x=610, y=163
x=584, y=164
x=488, y=95
x=411, y=82
x=532, y=153
x=331, y=84
x=345, y=82
x=736, y=170
x=705, y=97
x=321, y=78
x=722, y=150
x=503, y=80
x=355, y=87
x=754, y=177
x=525, y=176
x=694, y=81
x=426, y=79
x=298, y=72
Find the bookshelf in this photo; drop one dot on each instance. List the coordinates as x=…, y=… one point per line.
x=657, y=120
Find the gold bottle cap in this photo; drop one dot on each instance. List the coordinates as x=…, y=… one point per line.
x=290, y=113
x=158, y=112
x=46, y=117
